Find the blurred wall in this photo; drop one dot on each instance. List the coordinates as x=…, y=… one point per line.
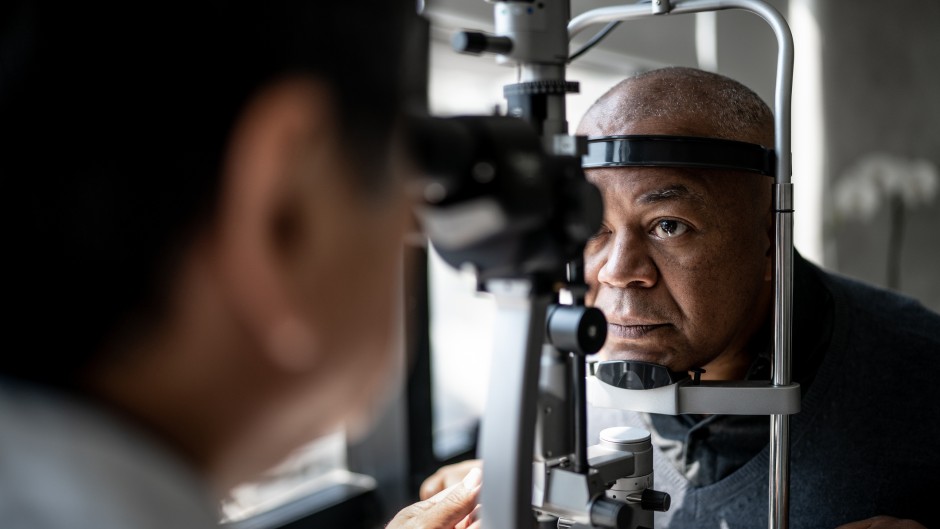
x=880, y=66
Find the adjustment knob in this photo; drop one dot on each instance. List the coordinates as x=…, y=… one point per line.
x=476, y=43
x=543, y=87
x=576, y=329
x=653, y=500
x=610, y=514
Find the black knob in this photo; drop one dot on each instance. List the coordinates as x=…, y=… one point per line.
x=611, y=514
x=576, y=329
x=477, y=43
x=653, y=500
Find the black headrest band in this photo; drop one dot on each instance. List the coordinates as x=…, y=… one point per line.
x=678, y=151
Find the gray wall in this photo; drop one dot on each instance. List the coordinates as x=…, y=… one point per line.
x=881, y=92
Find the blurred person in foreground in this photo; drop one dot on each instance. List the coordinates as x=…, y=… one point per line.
x=683, y=269
x=203, y=222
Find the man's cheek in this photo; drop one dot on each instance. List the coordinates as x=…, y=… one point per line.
x=590, y=296
x=591, y=269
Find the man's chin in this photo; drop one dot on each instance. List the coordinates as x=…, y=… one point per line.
x=665, y=359
x=635, y=356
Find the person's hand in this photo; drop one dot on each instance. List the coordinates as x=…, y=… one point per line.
x=454, y=507
x=447, y=476
x=882, y=522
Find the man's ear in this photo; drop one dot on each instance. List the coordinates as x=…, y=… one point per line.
x=273, y=143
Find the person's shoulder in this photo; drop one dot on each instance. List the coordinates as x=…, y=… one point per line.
x=71, y=464
x=878, y=310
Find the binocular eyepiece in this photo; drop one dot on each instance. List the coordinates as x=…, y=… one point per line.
x=491, y=196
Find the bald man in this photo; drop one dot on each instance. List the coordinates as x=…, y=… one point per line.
x=682, y=267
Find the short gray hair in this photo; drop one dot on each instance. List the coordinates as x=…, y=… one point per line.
x=727, y=108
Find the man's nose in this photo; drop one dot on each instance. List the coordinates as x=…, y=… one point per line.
x=629, y=264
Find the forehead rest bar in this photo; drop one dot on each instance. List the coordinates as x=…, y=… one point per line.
x=678, y=151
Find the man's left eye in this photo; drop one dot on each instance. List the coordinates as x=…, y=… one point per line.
x=665, y=229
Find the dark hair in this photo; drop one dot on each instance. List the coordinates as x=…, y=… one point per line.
x=113, y=121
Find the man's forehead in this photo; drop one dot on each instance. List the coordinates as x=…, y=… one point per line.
x=715, y=191
x=675, y=125
x=637, y=183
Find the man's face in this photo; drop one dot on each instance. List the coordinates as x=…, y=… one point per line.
x=680, y=266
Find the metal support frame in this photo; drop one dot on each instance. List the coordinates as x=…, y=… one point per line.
x=507, y=434
x=783, y=209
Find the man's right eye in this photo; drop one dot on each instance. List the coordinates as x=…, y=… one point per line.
x=602, y=231
x=668, y=228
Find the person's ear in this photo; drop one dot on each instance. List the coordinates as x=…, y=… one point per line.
x=275, y=142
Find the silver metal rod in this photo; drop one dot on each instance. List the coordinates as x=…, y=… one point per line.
x=783, y=282
x=779, y=484
x=603, y=15
x=783, y=206
x=507, y=433
x=779, y=507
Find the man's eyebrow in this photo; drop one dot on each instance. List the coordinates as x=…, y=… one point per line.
x=673, y=192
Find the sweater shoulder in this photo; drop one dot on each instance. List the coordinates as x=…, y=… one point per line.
x=881, y=315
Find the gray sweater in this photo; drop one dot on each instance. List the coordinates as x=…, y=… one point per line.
x=866, y=440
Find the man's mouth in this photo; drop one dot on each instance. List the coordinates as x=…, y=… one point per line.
x=632, y=331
